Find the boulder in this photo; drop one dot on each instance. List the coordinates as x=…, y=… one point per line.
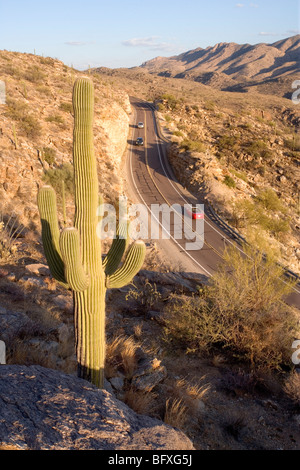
x=44, y=409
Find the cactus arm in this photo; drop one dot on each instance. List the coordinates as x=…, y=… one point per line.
x=119, y=245
x=69, y=243
x=50, y=233
x=132, y=264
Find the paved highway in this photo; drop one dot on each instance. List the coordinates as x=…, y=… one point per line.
x=152, y=182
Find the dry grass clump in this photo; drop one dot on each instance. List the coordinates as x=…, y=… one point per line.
x=140, y=401
x=176, y=413
x=8, y=233
x=121, y=356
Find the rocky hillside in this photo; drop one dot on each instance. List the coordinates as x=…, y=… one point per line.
x=36, y=131
x=231, y=66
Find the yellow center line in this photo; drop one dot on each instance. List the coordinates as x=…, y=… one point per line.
x=162, y=195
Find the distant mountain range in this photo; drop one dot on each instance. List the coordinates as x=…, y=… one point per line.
x=231, y=66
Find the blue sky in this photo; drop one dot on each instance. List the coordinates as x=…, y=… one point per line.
x=117, y=33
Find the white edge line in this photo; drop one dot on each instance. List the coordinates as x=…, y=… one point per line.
x=133, y=180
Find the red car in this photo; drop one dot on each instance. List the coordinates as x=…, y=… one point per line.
x=195, y=212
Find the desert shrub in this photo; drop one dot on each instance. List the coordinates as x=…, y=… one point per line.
x=209, y=105
x=293, y=144
x=170, y=101
x=16, y=109
x=178, y=133
x=227, y=142
x=34, y=74
x=56, y=118
x=28, y=124
x=47, y=61
x=45, y=90
x=192, y=146
x=67, y=107
x=261, y=212
x=229, y=181
x=269, y=200
x=147, y=297
x=258, y=149
x=49, y=155
x=241, y=313
x=55, y=177
x=239, y=175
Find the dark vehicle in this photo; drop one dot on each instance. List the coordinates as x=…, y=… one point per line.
x=139, y=141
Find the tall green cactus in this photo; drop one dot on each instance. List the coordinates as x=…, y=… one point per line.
x=74, y=254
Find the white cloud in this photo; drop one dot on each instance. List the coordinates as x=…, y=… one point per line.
x=239, y=5
x=150, y=42
x=253, y=5
x=78, y=43
x=293, y=31
x=141, y=42
x=265, y=33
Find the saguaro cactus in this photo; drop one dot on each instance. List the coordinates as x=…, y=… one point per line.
x=74, y=254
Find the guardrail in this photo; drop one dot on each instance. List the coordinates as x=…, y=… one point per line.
x=288, y=272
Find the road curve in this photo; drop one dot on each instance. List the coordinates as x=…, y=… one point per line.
x=151, y=182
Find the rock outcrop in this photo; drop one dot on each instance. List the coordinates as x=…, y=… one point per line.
x=43, y=409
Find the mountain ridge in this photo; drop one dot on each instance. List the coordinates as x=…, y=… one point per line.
x=234, y=64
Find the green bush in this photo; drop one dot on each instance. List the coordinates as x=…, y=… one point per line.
x=257, y=149
x=229, y=181
x=239, y=175
x=16, y=109
x=56, y=118
x=269, y=200
x=49, y=155
x=227, y=142
x=192, y=146
x=263, y=212
x=170, y=101
x=34, y=74
x=240, y=314
x=178, y=133
x=67, y=107
x=146, y=298
x=28, y=124
x=55, y=176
